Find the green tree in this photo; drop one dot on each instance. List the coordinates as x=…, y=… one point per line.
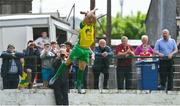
x=131, y=26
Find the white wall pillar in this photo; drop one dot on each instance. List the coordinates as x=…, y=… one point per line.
x=52, y=30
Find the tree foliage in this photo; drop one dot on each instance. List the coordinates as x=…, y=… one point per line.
x=132, y=26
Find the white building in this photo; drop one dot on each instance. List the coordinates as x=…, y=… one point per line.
x=19, y=29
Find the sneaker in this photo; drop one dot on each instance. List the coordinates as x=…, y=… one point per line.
x=51, y=81
x=81, y=91
x=102, y=91
x=160, y=87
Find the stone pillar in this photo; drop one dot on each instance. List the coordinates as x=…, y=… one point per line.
x=161, y=14
x=168, y=12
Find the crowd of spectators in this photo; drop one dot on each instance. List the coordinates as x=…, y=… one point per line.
x=24, y=64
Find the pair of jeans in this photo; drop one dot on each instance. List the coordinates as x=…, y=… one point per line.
x=124, y=73
x=166, y=73
x=10, y=81
x=61, y=90
x=96, y=72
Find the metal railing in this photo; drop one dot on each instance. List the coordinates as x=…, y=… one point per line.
x=112, y=83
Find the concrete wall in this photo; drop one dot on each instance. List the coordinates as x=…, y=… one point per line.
x=112, y=82
x=161, y=14
x=92, y=97
x=153, y=21
x=24, y=97
x=169, y=16
x=178, y=7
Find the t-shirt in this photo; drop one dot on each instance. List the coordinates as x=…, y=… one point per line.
x=41, y=41
x=165, y=46
x=143, y=51
x=14, y=68
x=123, y=61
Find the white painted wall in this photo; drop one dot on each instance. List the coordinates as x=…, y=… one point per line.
x=16, y=36
x=29, y=33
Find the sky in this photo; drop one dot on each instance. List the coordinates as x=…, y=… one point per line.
x=64, y=6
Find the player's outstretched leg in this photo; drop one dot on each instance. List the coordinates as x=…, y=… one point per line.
x=59, y=71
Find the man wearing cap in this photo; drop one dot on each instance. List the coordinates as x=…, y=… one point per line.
x=31, y=54
x=54, y=47
x=81, y=50
x=11, y=67
x=46, y=63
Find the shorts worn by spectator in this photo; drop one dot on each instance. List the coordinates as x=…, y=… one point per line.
x=46, y=59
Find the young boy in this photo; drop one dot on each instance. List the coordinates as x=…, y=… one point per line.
x=46, y=59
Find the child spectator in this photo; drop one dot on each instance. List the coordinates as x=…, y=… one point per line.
x=47, y=69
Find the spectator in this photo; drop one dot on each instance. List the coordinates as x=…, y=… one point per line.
x=144, y=49
x=31, y=56
x=124, y=64
x=166, y=47
x=62, y=46
x=178, y=47
x=74, y=66
x=46, y=59
x=54, y=48
x=42, y=40
x=68, y=47
x=101, y=63
x=61, y=85
x=25, y=79
x=11, y=67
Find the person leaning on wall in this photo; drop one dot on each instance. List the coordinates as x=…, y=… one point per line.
x=124, y=64
x=11, y=67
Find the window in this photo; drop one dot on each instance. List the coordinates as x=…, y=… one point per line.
x=6, y=9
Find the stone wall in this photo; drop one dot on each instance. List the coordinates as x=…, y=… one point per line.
x=92, y=97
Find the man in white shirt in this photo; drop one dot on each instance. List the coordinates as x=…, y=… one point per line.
x=42, y=40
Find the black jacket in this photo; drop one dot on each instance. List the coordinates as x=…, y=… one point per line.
x=7, y=60
x=31, y=56
x=100, y=61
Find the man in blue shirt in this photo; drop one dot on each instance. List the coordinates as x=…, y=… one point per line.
x=166, y=47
